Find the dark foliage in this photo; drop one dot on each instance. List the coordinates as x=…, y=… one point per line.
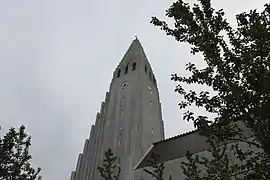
x=110, y=169
x=238, y=72
x=15, y=157
x=156, y=167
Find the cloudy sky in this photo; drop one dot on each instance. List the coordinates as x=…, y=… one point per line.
x=56, y=63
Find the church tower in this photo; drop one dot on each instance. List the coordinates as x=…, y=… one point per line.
x=129, y=121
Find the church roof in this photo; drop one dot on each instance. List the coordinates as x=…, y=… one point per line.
x=175, y=147
x=174, y=137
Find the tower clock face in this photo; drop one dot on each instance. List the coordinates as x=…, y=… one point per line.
x=124, y=85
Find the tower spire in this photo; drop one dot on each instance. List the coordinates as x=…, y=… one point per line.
x=129, y=121
x=134, y=48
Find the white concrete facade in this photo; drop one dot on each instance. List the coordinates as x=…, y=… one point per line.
x=172, y=154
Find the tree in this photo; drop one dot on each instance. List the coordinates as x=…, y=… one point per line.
x=109, y=169
x=238, y=73
x=156, y=167
x=15, y=157
x=217, y=167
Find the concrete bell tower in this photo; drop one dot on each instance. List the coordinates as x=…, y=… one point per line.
x=129, y=121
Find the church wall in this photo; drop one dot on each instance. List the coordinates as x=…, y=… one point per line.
x=127, y=119
x=152, y=121
x=173, y=167
x=137, y=129
x=245, y=147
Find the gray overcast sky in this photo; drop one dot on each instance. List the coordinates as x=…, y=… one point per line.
x=56, y=63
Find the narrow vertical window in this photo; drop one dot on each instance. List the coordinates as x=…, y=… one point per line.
x=155, y=82
x=120, y=142
x=126, y=71
x=150, y=75
x=145, y=69
x=134, y=66
x=118, y=73
x=150, y=90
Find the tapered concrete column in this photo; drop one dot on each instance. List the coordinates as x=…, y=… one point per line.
x=161, y=123
x=93, y=155
x=82, y=169
x=101, y=140
x=78, y=166
x=162, y=130
x=97, y=143
x=72, y=177
x=89, y=151
x=93, y=150
x=101, y=134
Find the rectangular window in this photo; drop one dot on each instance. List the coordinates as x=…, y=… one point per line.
x=134, y=66
x=118, y=73
x=126, y=71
